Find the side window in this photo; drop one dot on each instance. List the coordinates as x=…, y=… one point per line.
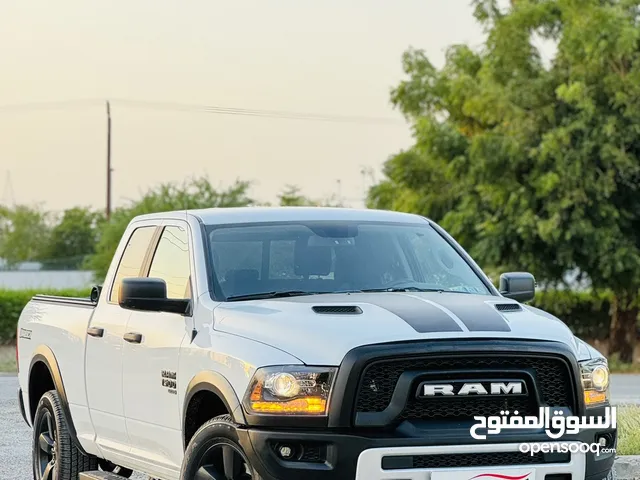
x=132, y=258
x=171, y=262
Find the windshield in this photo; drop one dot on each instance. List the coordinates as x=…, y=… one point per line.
x=325, y=257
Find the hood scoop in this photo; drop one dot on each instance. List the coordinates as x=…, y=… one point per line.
x=337, y=309
x=508, y=307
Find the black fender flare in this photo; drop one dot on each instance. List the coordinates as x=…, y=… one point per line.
x=44, y=354
x=210, y=381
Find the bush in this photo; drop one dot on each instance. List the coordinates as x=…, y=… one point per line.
x=13, y=301
x=585, y=313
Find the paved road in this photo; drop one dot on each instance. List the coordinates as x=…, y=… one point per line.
x=625, y=389
x=15, y=436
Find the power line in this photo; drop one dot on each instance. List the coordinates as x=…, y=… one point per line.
x=200, y=108
x=281, y=114
x=53, y=105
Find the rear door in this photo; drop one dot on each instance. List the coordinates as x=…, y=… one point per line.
x=105, y=343
x=150, y=379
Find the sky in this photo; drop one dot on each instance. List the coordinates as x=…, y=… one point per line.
x=326, y=57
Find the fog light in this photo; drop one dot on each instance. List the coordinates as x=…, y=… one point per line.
x=285, y=452
x=605, y=440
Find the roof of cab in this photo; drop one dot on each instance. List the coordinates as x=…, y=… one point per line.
x=218, y=216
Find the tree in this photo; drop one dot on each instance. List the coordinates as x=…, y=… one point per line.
x=74, y=237
x=193, y=193
x=531, y=166
x=24, y=234
x=291, y=197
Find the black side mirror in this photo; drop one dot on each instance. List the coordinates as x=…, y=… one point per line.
x=150, y=294
x=520, y=286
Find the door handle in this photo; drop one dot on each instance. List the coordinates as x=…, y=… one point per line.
x=95, y=331
x=133, y=337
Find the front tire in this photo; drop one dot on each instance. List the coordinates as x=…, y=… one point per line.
x=214, y=453
x=55, y=456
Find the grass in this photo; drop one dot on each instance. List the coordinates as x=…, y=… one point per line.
x=628, y=430
x=8, y=359
x=616, y=366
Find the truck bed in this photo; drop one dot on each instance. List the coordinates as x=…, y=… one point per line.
x=76, y=301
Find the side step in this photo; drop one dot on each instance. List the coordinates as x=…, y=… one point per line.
x=99, y=475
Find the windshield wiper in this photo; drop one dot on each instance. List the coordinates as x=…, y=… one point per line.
x=263, y=295
x=401, y=289
x=410, y=289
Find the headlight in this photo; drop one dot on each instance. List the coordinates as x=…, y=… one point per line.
x=290, y=390
x=595, y=381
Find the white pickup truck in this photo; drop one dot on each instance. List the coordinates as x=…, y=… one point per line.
x=301, y=343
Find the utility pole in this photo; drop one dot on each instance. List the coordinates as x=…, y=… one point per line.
x=109, y=170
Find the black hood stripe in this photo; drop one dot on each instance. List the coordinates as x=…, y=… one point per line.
x=422, y=316
x=426, y=312
x=478, y=316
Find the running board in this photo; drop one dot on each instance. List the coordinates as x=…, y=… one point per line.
x=99, y=475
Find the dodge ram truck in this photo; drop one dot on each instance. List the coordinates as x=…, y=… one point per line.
x=302, y=343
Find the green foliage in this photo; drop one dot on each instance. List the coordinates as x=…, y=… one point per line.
x=73, y=238
x=586, y=314
x=531, y=166
x=191, y=194
x=13, y=301
x=24, y=234
x=291, y=197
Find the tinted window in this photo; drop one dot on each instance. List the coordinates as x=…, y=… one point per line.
x=329, y=257
x=132, y=258
x=171, y=262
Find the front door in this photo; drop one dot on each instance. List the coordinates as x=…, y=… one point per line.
x=151, y=355
x=103, y=365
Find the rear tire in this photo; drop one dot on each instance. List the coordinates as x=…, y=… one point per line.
x=215, y=452
x=54, y=454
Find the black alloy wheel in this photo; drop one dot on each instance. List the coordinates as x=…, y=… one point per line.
x=223, y=461
x=214, y=453
x=55, y=455
x=45, y=455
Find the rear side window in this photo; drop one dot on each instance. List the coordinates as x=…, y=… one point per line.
x=171, y=262
x=132, y=258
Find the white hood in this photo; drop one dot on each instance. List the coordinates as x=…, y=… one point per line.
x=292, y=325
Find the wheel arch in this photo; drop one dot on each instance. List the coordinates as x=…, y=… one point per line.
x=212, y=383
x=44, y=358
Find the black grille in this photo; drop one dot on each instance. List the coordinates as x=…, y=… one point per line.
x=380, y=378
x=493, y=459
x=508, y=307
x=337, y=309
